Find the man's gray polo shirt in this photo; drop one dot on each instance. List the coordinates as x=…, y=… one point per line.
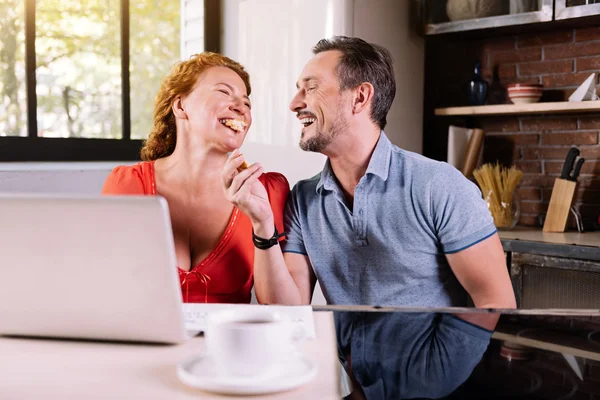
x=389, y=249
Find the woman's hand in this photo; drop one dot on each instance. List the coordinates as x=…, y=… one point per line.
x=244, y=190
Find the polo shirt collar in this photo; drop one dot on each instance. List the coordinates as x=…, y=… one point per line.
x=327, y=180
x=379, y=165
x=380, y=159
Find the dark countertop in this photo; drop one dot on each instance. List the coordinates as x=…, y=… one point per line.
x=411, y=353
x=585, y=246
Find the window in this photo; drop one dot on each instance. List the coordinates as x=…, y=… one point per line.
x=78, y=77
x=13, y=106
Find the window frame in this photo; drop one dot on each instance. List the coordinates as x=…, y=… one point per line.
x=41, y=149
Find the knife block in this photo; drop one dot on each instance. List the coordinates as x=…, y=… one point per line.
x=560, y=204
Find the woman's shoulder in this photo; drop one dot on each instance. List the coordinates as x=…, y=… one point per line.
x=129, y=179
x=278, y=189
x=276, y=180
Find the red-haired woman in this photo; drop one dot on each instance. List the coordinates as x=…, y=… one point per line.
x=202, y=113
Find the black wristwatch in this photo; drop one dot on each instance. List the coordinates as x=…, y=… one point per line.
x=264, y=244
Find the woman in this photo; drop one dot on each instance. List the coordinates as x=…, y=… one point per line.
x=202, y=113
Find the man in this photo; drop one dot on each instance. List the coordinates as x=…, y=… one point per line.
x=379, y=225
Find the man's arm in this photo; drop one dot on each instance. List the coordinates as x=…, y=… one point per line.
x=481, y=269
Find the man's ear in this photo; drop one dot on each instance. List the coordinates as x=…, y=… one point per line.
x=363, y=94
x=178, y=108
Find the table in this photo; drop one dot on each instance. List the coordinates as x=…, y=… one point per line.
x=64, y=369
x=399, y=352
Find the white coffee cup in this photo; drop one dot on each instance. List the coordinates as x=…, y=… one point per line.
x=249, y=343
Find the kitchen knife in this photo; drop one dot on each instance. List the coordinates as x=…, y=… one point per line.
x=577, y=169
x=569, y=161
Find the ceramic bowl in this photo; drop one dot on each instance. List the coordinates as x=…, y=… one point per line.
x=522, y=93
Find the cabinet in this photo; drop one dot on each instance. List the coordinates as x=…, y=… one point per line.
x=542, y=281
x=439, y=17
x=553, y=270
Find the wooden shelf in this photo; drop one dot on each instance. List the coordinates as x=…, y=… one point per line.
x=561, y=107
x=524, y=18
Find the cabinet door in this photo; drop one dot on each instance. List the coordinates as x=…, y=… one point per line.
x=555, y=282
x=567, y=9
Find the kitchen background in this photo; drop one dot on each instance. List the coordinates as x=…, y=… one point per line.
x=274, y=54
x=432, y=71
x=551, y=42
x=560, y=55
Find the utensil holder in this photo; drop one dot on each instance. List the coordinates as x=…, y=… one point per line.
x=560, y=204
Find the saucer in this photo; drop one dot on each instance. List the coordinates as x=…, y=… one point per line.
x=199, y=372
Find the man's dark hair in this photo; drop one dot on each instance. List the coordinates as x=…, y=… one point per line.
x=364, y=62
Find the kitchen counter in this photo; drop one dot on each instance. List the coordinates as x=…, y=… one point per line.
x=585, y=246
x=553, y=270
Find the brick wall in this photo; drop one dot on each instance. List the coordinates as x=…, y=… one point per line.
x=560, y=60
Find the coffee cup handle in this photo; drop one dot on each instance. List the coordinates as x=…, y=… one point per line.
x=298, y=332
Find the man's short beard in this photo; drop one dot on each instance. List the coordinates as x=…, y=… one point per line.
x=316, y=144
x=321, y=140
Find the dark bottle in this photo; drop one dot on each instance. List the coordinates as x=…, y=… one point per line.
x=496, y=91
x=478, y=87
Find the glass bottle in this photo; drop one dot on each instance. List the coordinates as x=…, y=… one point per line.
x=478, y=87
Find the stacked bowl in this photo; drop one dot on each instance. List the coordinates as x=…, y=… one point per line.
x=521, y=93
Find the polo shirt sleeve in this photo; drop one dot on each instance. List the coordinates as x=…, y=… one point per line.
x=294, y=242
x=460, y=215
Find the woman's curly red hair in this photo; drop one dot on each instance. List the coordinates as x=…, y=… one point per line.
x=163, y=136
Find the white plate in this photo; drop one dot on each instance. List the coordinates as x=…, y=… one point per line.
x=199, y=372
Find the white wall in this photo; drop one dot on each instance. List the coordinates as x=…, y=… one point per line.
x=192, y=27
x=274, y=54
x=386, y=22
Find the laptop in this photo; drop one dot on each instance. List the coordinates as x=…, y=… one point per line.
x=89, y=267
